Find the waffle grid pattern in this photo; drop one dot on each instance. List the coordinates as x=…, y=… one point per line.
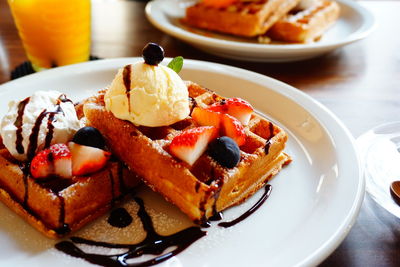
x=205, y=187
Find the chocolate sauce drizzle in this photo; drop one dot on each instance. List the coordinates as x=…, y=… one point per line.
x=50, y=127
x=25, y=172
x=267, y=146
x=193, y=104
x=119, y=218
x=55, y=185
x=64, y=229
x=34, y=135
x=32, y=146
x=217, y=216
x=268, y=189
x=50, y=130
x=271, y=130
x=63, y=98
x=197, y=186
x=271, y=134
x=18, y=123
x=126, y=76
x=154, y=244
x=217, y=184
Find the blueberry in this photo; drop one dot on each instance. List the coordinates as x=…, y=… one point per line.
x=225, y=151
x=153, y=54
x=89, y=136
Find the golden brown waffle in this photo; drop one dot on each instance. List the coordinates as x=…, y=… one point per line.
x=243, y=18
x=306, y=25
x=58, y=206
x=206, y=187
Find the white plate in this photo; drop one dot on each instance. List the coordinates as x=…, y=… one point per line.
x=314, y=202
x=354, y=23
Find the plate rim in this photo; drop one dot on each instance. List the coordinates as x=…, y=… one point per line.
x=328, y=246
x=368, y=26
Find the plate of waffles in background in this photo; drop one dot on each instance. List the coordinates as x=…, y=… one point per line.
x=316, y=197
x=263, y=31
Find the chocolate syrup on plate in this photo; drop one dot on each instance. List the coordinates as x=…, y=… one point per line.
x=217, y=216
x=153, y=244
x=119, y=218
x=268, y=189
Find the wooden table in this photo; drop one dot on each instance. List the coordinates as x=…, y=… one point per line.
x=359, y=83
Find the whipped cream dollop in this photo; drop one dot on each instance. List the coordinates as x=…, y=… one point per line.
x=148, y=95
x=45, y=118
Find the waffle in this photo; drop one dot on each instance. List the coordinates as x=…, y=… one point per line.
x=206, y=187
x=305, y=25
x=57, y=206
x=243, y=18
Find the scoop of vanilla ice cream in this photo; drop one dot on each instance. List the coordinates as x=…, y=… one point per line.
x=148, y=95
x=60, y=129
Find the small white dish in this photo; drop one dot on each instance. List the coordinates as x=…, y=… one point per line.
x=355, y=23
x=313, y=205
x=380, y=157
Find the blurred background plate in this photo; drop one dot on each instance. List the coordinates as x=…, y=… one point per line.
x=354, y=23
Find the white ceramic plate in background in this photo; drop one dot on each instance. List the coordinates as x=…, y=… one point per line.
x=314, y=202
x=354, y=23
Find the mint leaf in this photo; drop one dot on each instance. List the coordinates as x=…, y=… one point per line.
x=176, y=64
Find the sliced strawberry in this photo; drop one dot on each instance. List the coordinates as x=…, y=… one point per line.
x=191, y=144
x=233, y=129
x=42, y=165
x=86, y=159
x=55, y=160
x=236, y=107
x=226, y=124
x=206, y=117
x=61, y=160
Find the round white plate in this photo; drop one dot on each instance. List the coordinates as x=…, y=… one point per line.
x=354, y=23
x=314, y=202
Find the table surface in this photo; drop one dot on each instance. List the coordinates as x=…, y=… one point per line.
x=360, y=83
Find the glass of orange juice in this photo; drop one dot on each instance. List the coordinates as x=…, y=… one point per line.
x=53, y=32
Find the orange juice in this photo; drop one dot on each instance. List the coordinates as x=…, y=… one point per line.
x=53, y=32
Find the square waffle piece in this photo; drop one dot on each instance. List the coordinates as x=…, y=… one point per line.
x=204, y=188
x=58, y=206
x=303, y=26
x=243, y=18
